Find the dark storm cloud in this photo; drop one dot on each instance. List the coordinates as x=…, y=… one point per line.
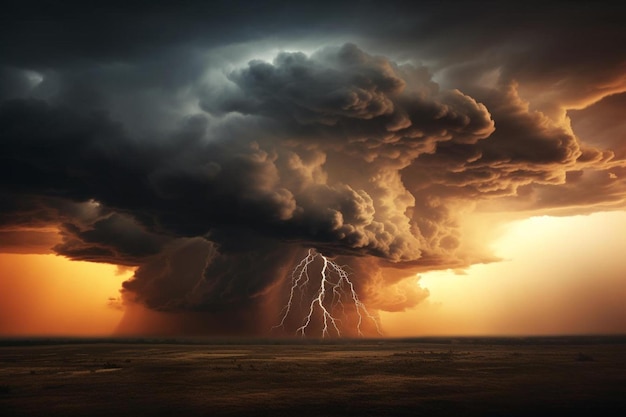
x=146, y=137
x=559, y=52
x=15, y=82
x=347, y=105
x=115, y=239
x=187, y=186
x=56, y=34
x=18, y=240
x=345, y=94
x=58, y=152
x=525, y=147
x=603, y=124
x=191, y=274
x=46, y=35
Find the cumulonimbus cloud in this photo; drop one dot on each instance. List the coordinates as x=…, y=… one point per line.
x=345, y=151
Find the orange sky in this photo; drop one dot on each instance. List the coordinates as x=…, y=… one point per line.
x=560, y=275
x=409, y=139
x=51, y=295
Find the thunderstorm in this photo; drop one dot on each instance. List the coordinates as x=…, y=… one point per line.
x=332, y=298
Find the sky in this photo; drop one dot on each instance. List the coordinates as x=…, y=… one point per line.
x=425, y=168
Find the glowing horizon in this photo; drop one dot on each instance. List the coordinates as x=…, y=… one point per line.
x=362, y=145
x=483, y=300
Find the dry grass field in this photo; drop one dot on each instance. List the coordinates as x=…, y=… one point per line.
x=461, y=377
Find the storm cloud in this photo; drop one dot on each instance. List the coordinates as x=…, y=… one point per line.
x=209, y=147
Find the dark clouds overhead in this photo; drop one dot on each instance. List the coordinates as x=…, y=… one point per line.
x=208, y=143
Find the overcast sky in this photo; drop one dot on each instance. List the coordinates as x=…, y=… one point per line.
x=208, y=145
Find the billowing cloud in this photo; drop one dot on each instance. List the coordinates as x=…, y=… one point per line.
x=179, y=144
x=280, y=183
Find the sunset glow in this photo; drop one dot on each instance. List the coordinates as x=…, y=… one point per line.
x=559, y=275
x=453, y=169
x=53, y=296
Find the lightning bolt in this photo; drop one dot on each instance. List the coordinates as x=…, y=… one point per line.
x=334, y=280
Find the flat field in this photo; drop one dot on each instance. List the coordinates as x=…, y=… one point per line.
x=442, y=377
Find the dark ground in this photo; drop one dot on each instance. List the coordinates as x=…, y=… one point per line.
x=429, y=377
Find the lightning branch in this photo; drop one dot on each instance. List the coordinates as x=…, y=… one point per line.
x=332, y=298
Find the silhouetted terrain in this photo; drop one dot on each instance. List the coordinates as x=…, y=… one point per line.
x=429, y=377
